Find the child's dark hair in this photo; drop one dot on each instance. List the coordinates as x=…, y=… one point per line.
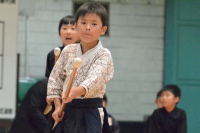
x=158, y=94
x=66, y=20
x=105, y=98
x=92, y=7
x=174, y=89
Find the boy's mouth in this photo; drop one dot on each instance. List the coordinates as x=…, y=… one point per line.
x=164, y=102
x=68, y=38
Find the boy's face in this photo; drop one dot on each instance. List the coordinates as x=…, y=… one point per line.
x=68, y=34
x=89, y=28
x=168, y=99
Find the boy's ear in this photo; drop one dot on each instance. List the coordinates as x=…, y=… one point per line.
x=103, y=31
x=177, y=99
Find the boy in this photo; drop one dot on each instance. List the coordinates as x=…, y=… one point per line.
x=168, y=119
x=114, y=125
x=84, y=112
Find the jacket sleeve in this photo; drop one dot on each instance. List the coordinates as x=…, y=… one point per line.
x=57, y=76
x=100, y=72
x=37, y=104
x=152, y=124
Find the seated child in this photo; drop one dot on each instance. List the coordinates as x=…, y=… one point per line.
x=168, y=119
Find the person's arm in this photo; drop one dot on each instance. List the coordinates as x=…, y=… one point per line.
x=147, y=123
x=57, y=104
x=182, y=127
x=153, y=123
x=56, y=78
x=100, y=73
x=37, y=100
x=55, y=83
x=75, y=92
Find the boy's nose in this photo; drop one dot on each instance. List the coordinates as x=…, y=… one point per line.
x=68, y=31
x=88, y=27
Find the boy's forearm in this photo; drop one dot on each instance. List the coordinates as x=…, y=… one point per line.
x=57, y=103
x=78, y=91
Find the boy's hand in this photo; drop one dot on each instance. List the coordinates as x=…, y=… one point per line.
x=49, y=100
x=55, y=116
x=69, y=99
x=63, y=93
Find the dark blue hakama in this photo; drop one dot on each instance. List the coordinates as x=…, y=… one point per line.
x=81, y=116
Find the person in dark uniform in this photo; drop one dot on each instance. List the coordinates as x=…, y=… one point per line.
x=29, y=117
x=168, y=119
x=68, y=35
x=114, y=125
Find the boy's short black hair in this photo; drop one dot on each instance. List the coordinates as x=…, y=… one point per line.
x=92, y=7
x=66, y=20
x=158, y=94
x=174, y=89
x=105, y=98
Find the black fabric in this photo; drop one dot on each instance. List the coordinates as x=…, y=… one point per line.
x=163, y=122
x=81, y=116
x=115, y=128
x=29, y=117
x=106, y=127
x=50, y=62
x=131, y=126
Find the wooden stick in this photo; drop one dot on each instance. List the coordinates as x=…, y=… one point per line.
x=77, y=63
x=56, y=53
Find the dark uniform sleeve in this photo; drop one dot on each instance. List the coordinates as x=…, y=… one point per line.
x=37, y=104
x=147, y=124
x=49, y=63
x=150, y=125
x=153, y=123
x=182, y=127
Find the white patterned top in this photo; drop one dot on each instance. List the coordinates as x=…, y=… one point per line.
x=93, y=74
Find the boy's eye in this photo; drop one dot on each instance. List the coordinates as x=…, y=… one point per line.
x=83, y=23
x=94, y=24
x=73, y=28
